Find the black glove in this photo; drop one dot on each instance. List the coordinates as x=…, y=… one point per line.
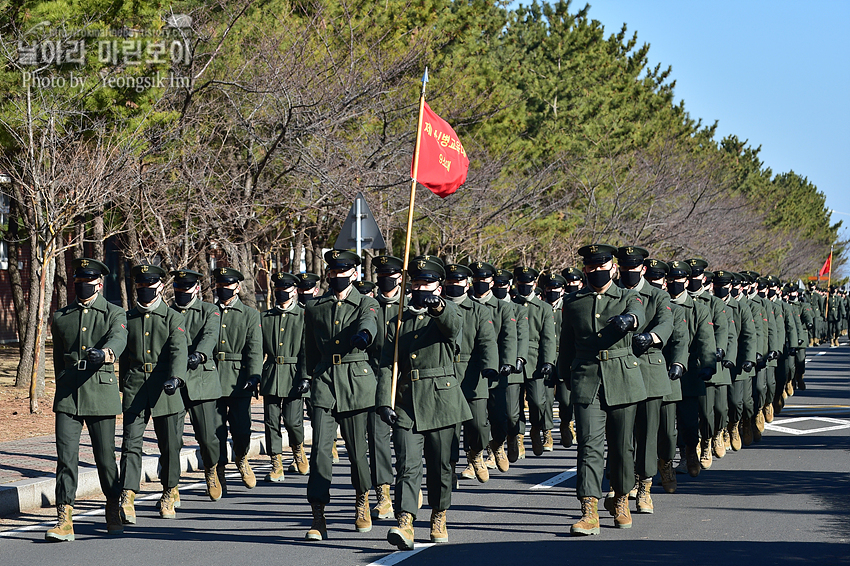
x=431, y=301
x=728, y=364
x=747, y=367
x=506, y=369
x=172, y=385
x=772, y=355
x=490, y=374
x=642, y=342
x=720, y=354
x=706, y=373
x=361, y=340
x=194, y=360
x=761, y=361
x=799, y=341
x=675, y=372
x=387, y=415
x=623, y=322
x=810, y=326
x=303, y=386
x=792, y=351
x=546, y=369
x=96, y=356
x=253, y=385
x=520, y=363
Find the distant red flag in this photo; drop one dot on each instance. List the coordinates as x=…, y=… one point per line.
x=826, y=265
x=442, y=160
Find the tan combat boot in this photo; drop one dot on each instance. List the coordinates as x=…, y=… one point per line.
x=276, y=474
x=64, y=528
x=755, y=428
x=693, y=463
x=643, y=503
x=222, y=479
x=383, y=508
x=249, y=480
x=536, y=441
x=548, y=441
x=705, y=453
x=589, y=522
x=520, y=440
x=362, y=516
x=668, y=475
x=633, y=493
x=759, y=418
x=439, y=531
x=334, y=453
x=319, y=528
x=498, y=453
x=299, y=464
x=128, y=511
x=768, y=412
x=718, y=445
x=468, y=473
x=789, y=387
x=213, y=485
x=734, y=436
x=477, y=460
x=114, y=526
x=727, y=439
x=746, y=432
x=419, y=503
x=166, y=504
x=402, y=536
x=490, y=461
x=622, y=515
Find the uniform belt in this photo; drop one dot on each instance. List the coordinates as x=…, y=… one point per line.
x=462, y=358
x=286, y=360
x=430, y=373
x=338, y=359
x=603, y=355
x=147, y=368
x=228, y=357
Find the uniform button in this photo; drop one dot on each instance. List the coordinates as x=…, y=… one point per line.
x=222, y=341
x=337, y=341
x=420, y=317
x=84, y=328
x=336, y=322
x=635, y=363
x=147, y=316
x=413, y=356
x=599, y=335
x=183, y=311
x=82, y=347
x=416, y=336
x=147, y=333
x=339, y=304
x=448, y=384
x=280, y=343
x=598, y=315
x=283, y=315
x=225, y=311
x=85, y=310
x=224, y=326
x=365, y=370
x=149, y=351
x=281, y=329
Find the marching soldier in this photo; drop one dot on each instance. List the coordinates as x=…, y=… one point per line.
x=741, y=284
x=150, y=369
x=366, y=288
x=339, y=328
x=647, y=342
x=765, y=379
x=807, y=319
x=308, y=288
x=835, y=313
x=607, y=385
x=539, y=362
x=239, y=355
x=554, y=286
x=429, y=402
x=88, y=337
x=284, y=381
x=202, y=384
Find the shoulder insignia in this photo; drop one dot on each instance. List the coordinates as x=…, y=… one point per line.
x=180, y=329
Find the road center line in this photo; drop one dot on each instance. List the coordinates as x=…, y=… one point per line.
x=555, y=480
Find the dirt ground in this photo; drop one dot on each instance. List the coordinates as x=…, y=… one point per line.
x=16, y=422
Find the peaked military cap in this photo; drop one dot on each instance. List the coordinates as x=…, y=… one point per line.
x=737, y=278
x=746, y=278
x=678, y=269
x=87, y=268
x=698, y=266
x=722, y=277
x=426, y=270
x=283, y=280
x=753, y=275
x=631, y=256
x=763, y=282
x=572, y=274
x=364, y=286
x=774, y=281
x=709, y=276
x=597, y=254
x=185, y=278
x=655, y=268
x=503, y=276
x=147, y=273
x=388, y=264
x=228, y=275
x=430, y=258
x=482, y=269
x=341, y=259
x=307, y=280
x=552, y=280
x=457, y=272
x=524, y=274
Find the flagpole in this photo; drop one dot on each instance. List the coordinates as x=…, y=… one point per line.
x=829, y=280
x=407, y=237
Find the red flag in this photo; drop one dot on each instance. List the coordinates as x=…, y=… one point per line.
x=442, y=161
x=826, y=265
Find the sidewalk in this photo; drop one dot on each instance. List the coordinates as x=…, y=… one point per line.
x=28, y=466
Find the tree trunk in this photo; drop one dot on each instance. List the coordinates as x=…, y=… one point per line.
x=61, y=279
x=245, y=260
x=45, y=296
x=97, y=244
x=122, y=280
x=202, y=265
x=79, y=234
x=28, y=349
x=18, y=300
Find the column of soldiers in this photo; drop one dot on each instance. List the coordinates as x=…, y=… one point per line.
x=647, y=356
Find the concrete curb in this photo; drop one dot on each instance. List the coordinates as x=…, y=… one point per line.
x=33, y=493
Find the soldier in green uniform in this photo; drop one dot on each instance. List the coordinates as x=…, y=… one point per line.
x=428, y=403
x=150, y=369
x=504, y=320
x=239, y=355
x=88, y=337
x=476, y=367
x=388, y=271
x=366, y=288
x=807, y=319
x=308, y=288
x=339, y=328
x=714, y=414
x=765, y=383
x=554, y=290
x=284, y=381
x=647, y=342
x=203, y=386
x=740, y=292
x=835, y=313
x=606, y=383
x=539, y=362
x=785, y=360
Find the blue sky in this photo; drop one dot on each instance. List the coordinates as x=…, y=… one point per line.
x=776, y=73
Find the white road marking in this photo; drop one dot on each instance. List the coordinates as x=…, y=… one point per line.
x=837, y=424
x=555, y=480
x=821, y=353
x=400, y=555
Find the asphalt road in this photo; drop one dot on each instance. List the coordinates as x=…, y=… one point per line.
x=785, y=500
